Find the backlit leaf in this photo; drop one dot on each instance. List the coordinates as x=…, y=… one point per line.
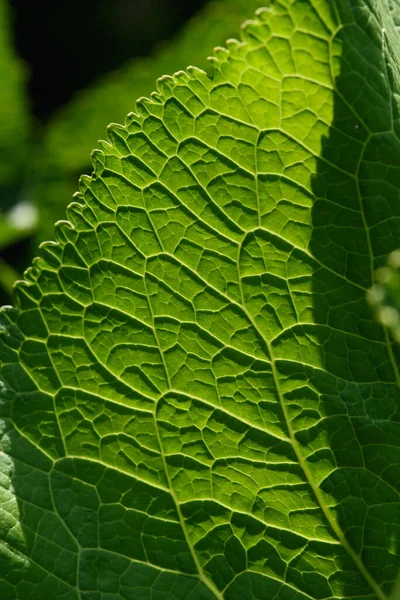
x=198, y=403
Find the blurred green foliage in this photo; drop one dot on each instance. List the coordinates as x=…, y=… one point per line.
x=384, y=296
x=17, y=216
x=14, y=117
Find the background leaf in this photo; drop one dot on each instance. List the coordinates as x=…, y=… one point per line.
x=14, y=119
x=198, y=402
x=384, y=296
x=15, y=131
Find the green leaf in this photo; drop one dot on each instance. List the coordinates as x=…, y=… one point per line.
x=14, y=121
x=75, y=128
x=197, y=401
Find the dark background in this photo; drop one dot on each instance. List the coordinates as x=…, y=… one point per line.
x=67, y=43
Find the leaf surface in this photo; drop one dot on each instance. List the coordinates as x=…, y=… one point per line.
x=198, y=402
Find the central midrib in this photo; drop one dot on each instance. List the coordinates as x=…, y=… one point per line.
x=202, y=577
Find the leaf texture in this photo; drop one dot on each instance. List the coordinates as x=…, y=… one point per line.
x=197, y=401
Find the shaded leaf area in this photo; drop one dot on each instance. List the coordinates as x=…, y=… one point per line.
x=197, y=401
x=76, y=128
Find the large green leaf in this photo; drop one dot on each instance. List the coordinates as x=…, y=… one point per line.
x=75, y=128
x=197, y=401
